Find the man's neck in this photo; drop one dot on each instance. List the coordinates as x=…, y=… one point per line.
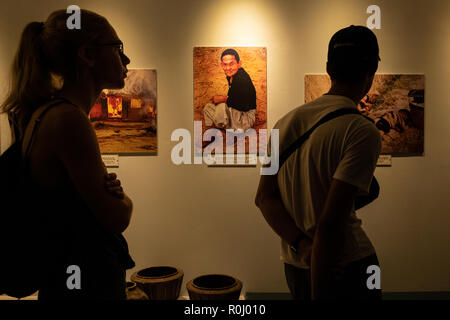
x=354, y=92
x=230, y=79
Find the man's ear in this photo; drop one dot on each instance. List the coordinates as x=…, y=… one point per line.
x=369, y=80
x=86, y=54
x=239, y=63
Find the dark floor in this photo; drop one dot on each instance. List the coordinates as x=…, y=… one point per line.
x=434, y=295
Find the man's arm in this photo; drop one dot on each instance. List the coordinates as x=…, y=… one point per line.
x=269, y=202
x=219, y=99
x=329, y=238
x=353, y=174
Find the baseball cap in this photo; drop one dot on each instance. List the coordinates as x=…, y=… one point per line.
x=353, y=42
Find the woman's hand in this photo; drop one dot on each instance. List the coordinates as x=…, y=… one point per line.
x=112, y=185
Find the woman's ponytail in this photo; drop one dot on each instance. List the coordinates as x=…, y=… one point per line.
x=30, y=77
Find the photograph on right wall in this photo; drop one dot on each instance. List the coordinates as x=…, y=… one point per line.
x=396, y=104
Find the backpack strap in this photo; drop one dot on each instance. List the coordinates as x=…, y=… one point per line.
x=33, y=125
x=15, y=133
x=298, y=143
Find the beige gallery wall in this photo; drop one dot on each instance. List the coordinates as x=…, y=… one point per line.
x=204, y=219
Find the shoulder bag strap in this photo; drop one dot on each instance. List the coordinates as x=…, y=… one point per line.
x=33, y=125
x=360, y=201
x=298, y=143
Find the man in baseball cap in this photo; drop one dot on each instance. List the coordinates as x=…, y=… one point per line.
x=311, y=202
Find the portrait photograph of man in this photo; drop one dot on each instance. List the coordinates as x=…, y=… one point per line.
x=230, y=90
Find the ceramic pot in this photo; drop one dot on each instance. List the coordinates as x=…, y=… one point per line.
x=214, y=287
x=160, y=282
x=134, y=292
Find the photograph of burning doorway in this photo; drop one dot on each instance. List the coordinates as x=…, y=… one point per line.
x=395, y=103
x=247, y=109
x=125, y=120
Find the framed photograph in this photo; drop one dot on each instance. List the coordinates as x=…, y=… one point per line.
x=230, y=97
x=396, y=104
x=125, y=120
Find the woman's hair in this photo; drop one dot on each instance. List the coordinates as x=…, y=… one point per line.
x=47, y=54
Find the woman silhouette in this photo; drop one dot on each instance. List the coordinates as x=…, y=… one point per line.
x=84, y=208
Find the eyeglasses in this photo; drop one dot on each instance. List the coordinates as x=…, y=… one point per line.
x=118, y=45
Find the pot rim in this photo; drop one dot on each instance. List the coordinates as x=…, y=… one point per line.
x=175, y=271
x=235, y=282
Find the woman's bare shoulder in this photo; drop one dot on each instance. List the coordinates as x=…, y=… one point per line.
x=65, y=116
x=65, y=125
x=64, y=110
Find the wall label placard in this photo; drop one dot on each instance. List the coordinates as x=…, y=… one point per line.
x=111, y=160
x=385, y=160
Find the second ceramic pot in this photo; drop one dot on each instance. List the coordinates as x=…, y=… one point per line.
x=214, y=287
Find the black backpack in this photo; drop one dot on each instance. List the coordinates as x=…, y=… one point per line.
x=20, y=231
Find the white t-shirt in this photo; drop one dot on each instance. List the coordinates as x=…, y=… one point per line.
x=345, y=148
